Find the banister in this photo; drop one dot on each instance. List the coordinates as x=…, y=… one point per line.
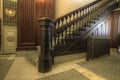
x=77, y=9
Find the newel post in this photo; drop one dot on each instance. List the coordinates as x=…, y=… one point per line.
x=45, y=58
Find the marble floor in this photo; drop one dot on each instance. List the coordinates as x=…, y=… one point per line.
x=23, y=67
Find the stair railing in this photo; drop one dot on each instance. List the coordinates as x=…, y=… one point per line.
x=77, y=20
x=65, y=26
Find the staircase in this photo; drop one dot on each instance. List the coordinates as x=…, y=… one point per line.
x=70, y=32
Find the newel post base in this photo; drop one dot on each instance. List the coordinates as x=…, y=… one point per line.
x=45, y=57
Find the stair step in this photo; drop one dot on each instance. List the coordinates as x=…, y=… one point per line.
x=70, y=57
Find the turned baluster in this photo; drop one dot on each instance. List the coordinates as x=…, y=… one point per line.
x=88, y=16
x=66, y=33
x=91, y=13
x=54, y=36
x=58, y=32
x=82, y=20
x=62, y=32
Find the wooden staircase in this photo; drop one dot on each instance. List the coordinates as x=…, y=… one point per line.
x=68, y=34
x=70, y=30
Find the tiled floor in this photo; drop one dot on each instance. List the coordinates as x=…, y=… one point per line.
x=24, y=68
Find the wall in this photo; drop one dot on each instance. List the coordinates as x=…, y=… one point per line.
x=0, y=8
x=115, y=30
x=65, y=6
x=0, y=24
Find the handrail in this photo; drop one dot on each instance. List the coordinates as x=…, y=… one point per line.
x=91, y=3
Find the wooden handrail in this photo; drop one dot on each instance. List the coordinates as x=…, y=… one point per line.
x=91, y=3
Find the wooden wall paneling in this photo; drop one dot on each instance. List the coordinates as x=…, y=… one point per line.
x=29, y=11
x=0, y=33
x=26, y=25
x=119, y=30
x=50, y=8
x=114, y=31
x=39, y=12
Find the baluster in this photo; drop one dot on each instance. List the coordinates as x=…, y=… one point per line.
x=77, y=14
x=69, y=30
x=58, y=32
x=66, y=26
x=79, y=20
x=99, y=12
x=76, y=21
x=72, y=29
x=80, y=13
x=70, y=18
x=91, y=14
x=92, y=33
x=62, y=32
x=98, y=9
x=74, y=16
x=88, y=16
x=86, y=19
x=54, y=36
x=97, y=32
x=76, y=25
x=82, y=21
x=70, y=26
x=94, y=11
x=84, y=16
x=102, y=9
x=91, y=11
x=101, y=30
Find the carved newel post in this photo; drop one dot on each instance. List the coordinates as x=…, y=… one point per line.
x=45, y=58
